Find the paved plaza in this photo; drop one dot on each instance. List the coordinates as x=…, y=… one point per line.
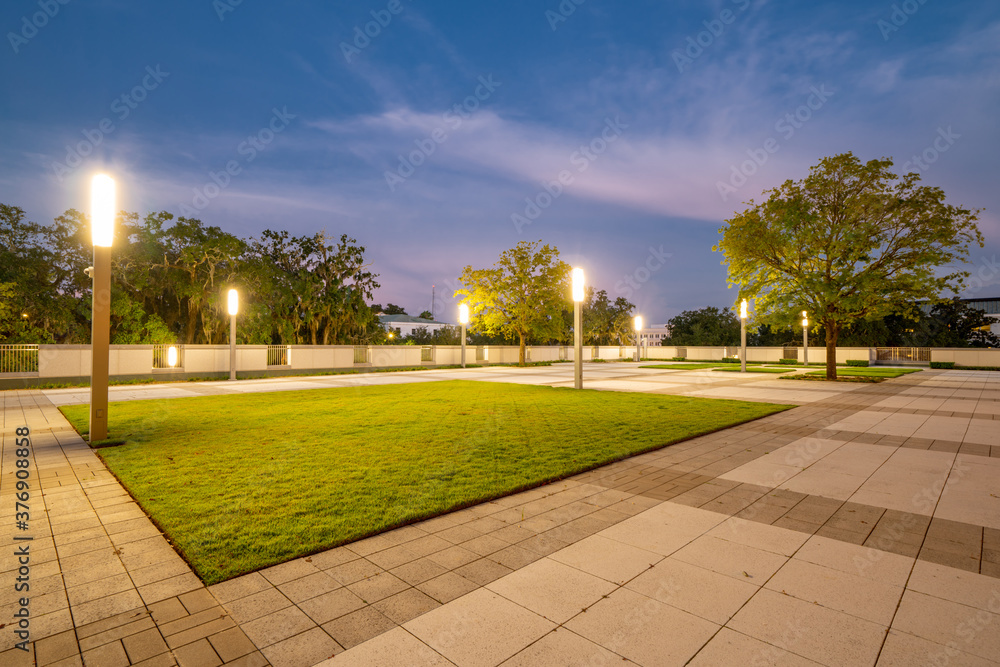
x=860, y=528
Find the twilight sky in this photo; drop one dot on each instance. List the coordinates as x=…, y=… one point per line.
x=621, y=132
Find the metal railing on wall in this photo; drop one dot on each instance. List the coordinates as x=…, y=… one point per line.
x=361, y=355
x=480, y=353
x=161, y=357
x=279, y=355
x=426, y=353
x=902, y=354
x=19, y=358
x=790, y=353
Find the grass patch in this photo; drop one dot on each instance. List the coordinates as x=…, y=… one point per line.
x=243, y=482
x=681, y=367
x=753, y=369
x=857, y=374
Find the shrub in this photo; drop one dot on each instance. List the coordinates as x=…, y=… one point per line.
x=857, y=362
x=730, y=360
x=678, y=358
x=788, y=362
x=942, y=364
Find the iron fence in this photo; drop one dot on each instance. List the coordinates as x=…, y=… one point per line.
x=426, y=353
x=19, y=358
x=361, y=354
x=903, y=354
x=162, y=357
x=480, y=353
x=790, y=353
x=279, y=355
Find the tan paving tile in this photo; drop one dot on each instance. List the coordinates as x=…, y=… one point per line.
x=551, y=589
x=402, y=607
x=696, y=590
x=277, y=626
x=244, y=610
x=326, y=607
x=197, y=654
x=353, y=571
x=902, y=650
x=732, y=648
x=947, y=623
x=231, y=644
x=607, y=559
x=871, y=600
x=447, y=587
x=395, y=647
x=239, y=587
x=109, y=655
x=358, y=627
x=810, y=630
x=480, y=628
x=302, y=650
x=144, y=645
x=56, y=647
x=642, y=629
x=562, y=648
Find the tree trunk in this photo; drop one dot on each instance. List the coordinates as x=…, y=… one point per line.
x=831, y=350
x=520, y=358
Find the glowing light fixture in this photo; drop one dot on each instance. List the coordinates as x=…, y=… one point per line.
x=102, y=210
x=578, y=285
x=234, y=302
x=171, y=356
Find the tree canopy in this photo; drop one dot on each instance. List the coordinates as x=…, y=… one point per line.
x=852, y=240
x=523, y=295
x=708, y=326
x=168, y=282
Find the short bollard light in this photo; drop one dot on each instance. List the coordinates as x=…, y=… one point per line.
x=172, y=356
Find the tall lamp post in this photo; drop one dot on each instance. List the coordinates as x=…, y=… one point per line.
x=743, y=336
x=463, y=318
x=578, y=327
x=805, y=338
x=102, y=220
x=638, y=329
x=234, y=306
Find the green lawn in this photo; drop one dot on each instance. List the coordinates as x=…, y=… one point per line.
x=681, y=367
x=242, y=482
x=753, y=369
x=869, y=372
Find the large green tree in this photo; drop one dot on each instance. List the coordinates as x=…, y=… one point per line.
x=523, y=295
x=709, y=326
x=852, y=240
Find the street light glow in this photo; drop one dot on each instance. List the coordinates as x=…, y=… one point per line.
x=578, y=284
x=463, y=313
x=171, y=356
x=743, y=309
x=102, y=209
x=805, y=319
x=638, y=322
x=234, y=302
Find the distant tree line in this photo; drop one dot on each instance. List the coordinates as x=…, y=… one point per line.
x=949, y=323
x=170, y=278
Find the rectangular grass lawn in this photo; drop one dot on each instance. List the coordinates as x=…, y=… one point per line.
x=242, y=482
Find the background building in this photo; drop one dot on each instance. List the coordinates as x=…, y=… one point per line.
x=408, y=323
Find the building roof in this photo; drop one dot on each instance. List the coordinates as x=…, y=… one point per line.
x=400, y=319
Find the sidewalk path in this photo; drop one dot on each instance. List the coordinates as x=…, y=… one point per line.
x=862, y=527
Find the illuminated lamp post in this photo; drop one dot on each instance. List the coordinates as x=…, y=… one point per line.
x=743, y=336
x=463, y=318
x=578, y=290
x=638, y=330
x=805, y=339
x=234, y=307
x=102, y=220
